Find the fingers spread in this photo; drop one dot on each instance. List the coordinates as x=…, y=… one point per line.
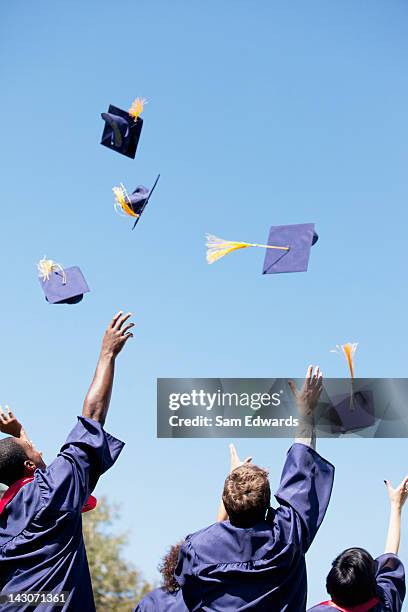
x=121, y=320
x=309, y=372
x=125, y=329
x=116, y=317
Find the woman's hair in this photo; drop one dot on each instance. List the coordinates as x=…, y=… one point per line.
x=167, y=567
x=351, y=580
x=12, y=458
x=247, y=495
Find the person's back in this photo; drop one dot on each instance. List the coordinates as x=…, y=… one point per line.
x=168, y=596
x=43, y=561
x=358, y=583
x=256, y=559
x=41, y=543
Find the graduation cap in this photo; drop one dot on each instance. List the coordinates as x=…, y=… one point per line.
x=351, y=412
x=134, y=204
x=288, y=248
x=123, y=128
x=299, y=238
x=61, y=285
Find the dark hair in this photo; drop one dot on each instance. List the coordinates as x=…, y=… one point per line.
x=351, y=580
x=12, y=458
x=247, y=495
x=167, y=568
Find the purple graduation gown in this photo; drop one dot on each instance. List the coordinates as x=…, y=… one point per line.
x=224, y=567
x=41, y=542
x=390, y=577
x=161, y=600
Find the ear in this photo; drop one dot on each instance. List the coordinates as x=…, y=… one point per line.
x=29, y=467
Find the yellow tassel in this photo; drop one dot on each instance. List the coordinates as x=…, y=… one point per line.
x=137, y=108
x=218, y=247
x=348, y=350
x=122, y=201
x=47, y=266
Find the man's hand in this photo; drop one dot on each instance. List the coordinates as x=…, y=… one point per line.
x=116, y=335
x=309, y=394
x=399, y=495
x=9, y=424
x=96, y=404
x=235, y=460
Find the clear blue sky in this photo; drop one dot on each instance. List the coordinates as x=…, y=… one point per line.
x=260, y=113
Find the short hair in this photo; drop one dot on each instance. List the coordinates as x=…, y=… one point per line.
x=351, y=580
x=247, y=495
x=12, y=458
x=167, y=568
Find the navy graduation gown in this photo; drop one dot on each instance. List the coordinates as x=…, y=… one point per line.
x=161, y=600
x=41, y=542
x=224, y=567
x=390, y=578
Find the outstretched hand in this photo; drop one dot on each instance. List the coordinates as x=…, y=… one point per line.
x=235, y=460
x=308, y=396
x=117, y=334
x=9, y=424
x=399, y=495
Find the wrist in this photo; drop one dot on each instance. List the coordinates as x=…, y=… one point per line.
x=107, y=355
x=396, y=505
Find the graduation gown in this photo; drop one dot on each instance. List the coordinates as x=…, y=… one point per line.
x=263, y=567
x=161, y=600
x=41, y=542
x=390, y=578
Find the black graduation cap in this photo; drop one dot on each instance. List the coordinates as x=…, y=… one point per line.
x=123, y=128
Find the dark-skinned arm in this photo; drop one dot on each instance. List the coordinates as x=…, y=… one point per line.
x=97, y=400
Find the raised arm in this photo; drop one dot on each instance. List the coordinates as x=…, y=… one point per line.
x=97, y=400
x=397, y=499
x=235, y=462
x=306, y=399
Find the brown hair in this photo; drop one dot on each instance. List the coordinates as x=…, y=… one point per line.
x=167, y=567
x=247, y=495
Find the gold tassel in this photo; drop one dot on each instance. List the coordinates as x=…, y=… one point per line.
x=122, y=201
x=218, y=247
x=47, y=266
x=137, y=108
x=348, y=350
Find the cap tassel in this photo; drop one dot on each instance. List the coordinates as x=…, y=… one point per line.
x=348, y=350
x=137, y=108
x=47, y=266
x=122, y=202
x=218, y=247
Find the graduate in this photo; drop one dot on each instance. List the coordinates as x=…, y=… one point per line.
x=253, y=558
x=168, y=596
x=359, y=583
x=41, y=541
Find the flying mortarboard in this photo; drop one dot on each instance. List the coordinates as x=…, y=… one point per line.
x=134, y=204
x=352, y=412
x=288, y=248
x=123, y=128
x=61, y=285
x=299, y=238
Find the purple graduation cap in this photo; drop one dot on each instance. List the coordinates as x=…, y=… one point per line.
x=299, y=238
x=121, y=132
x=61, y=285
x=135, y=203
x=352, y=411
